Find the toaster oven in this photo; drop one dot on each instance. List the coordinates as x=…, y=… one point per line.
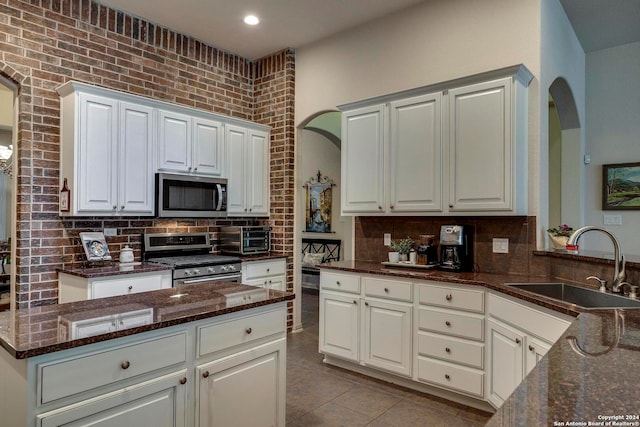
x=245, y=240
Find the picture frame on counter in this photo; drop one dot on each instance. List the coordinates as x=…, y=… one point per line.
x=621, y=186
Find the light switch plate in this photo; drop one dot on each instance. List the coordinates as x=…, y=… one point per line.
x=613, y=220
x=110, y=232
x=387, y=239
x=500, y=246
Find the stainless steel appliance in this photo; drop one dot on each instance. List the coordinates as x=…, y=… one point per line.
x=245, y=240
x=190, y=256
x=180, y=196
x=455, y=248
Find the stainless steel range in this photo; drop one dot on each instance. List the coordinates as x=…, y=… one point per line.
x=190, y=256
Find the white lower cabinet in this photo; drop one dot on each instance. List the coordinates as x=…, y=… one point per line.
x=520, y=334
x=269, y=273
x=223, y=371
x=76, y=288
x=243, y=389
x=370, y=322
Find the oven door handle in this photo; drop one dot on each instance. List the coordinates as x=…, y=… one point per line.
x=211, y=278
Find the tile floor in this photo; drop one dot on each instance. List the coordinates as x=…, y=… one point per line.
x=322, y=395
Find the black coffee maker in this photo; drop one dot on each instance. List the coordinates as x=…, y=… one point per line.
x=455, y=248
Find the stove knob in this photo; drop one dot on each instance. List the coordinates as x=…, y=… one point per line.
x=223, y=268
x=211, y=270
x=187, y=272
x=196, y=271
x=232, y=267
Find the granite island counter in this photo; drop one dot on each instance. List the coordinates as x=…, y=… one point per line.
x=588, y=374
x=153, y=358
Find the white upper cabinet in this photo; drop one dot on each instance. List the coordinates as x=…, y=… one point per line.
x=190, y=144
x=416, y=154
x=457, y=148
x=248, y=171
x=106, y=153
x=486, y=158
x=362, y=152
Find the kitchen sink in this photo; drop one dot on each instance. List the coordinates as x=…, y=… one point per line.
x=582, y=297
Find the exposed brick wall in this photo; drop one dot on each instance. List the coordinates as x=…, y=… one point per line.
x=44, y=43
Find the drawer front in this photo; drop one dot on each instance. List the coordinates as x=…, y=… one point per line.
x=451, y=323
x=340, y=282
x=77, y=375
x=451, y=297
x=227, y=334
x=537, y=322
x=255, y=269
x=451, y=349
x=126, y=284
x=450, y=376
x=385, y=288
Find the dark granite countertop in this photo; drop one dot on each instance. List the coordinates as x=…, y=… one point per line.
x=115, y=269
x=263, y=257
x=34, y=331
x=589, y=374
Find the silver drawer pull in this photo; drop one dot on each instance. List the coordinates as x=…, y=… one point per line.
x=447, y=376
x=131, y=287
x=447, y=323
x=447, y=349
x=448, y=297
x=125, y=364
x=248, y=331
x=205, y=374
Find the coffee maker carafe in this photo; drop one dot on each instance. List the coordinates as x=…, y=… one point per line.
x=455, y=248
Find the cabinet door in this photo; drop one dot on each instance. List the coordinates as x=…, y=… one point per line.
x=536, y=349
x=160, y=402
x=208, y=147
x=97, y=177
x=416, y=154
x=480, y=139
x=362, y=157
x=505, y=361
x=244, y=389
x=257, y=168
x=387, y=336
x=235, y=141
x=276, y=282
x=339, y=325
x=174, y=141
x=135, y=171
x=127, y=284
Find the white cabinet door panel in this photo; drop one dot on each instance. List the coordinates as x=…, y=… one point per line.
x=258, y=169
x=174, y=136
x=339, y=325
x=363, y=160
x=416, y=154
x=235, y=137
x=505, y=361
x=208, y=147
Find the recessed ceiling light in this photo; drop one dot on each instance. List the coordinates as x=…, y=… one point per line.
x=251, y=20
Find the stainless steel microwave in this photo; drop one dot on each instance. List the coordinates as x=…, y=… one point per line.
x=188, y=196
x=245, y=240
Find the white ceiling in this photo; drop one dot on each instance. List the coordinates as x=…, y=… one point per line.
x=284, y=23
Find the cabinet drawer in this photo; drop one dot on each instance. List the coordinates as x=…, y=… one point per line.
x=385, y=288
x=449, y=297
x=451, y=349
x=455, y=377
x=451, y=323
x=227, y=334
x=535, y=321
x=340, y=282
x=255, y=269
x=77, y=375
x=126, y=284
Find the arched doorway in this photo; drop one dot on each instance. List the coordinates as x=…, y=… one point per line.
x=566, y=175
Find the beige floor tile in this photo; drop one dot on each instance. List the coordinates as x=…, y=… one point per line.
x=367, y=400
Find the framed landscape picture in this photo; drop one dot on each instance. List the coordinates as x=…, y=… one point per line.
x=621, y=186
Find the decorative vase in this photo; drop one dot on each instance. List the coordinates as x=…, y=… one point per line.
x=558, y=242
x=394, y=257
x=404, y=257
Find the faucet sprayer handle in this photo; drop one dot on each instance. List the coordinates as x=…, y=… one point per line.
x=633, y=290
x=603, y=283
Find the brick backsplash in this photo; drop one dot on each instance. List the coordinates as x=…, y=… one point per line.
x=44, y=43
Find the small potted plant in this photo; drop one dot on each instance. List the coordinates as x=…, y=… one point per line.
x=402, y=247
x=560, y=235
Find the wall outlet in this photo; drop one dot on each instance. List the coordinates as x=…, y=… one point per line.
x=612, y=220
x=500, y=246
x=387, y=239
x=110, y=232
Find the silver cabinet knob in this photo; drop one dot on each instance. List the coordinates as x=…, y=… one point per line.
x=447, y=376
x=449, y=297
x=248, y=330
x=447, y=349
x=125, y=364
x=355, y=302
x=447, y=323
x=386, y=290
x=122, y=207
x=518, y=340
x=532, y=348
x=183, y=380
x=205, y=374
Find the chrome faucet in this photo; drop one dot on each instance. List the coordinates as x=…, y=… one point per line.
x=619, y=272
